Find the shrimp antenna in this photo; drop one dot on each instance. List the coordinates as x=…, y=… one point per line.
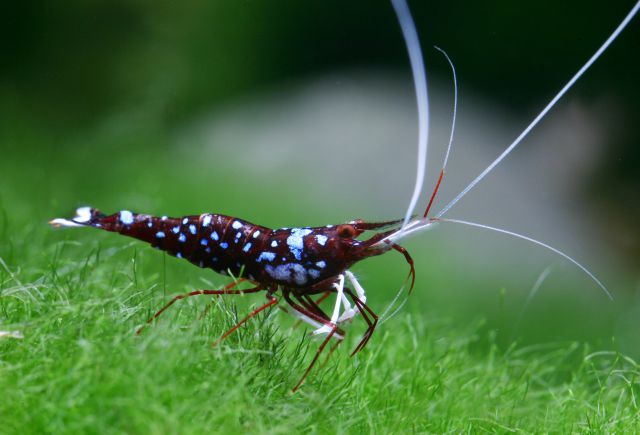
x=412, y=42
x=532, y=240
x=419, y=225
x=383, y=316
x=544, y=111
x=453, y=128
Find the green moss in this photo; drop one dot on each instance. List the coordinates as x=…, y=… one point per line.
x=78, y=296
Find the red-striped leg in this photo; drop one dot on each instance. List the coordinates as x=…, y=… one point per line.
x=314, y=305
x=272, y=301
x=317, y=302
x=339, y=287
x=210, y=304
x=333, y=329
x=315, y=358
x=225, y=291
x=333, y=348
x=307, y=316
x=412, y=272
x=363, y=308
x=324, y=296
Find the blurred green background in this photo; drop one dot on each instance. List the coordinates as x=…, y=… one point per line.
x=98, y=100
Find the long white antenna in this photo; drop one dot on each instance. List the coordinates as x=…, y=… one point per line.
x=420, y=82
x=532, y=240
x=455, y=105
x=418, y=225
x=453, y=129
x=548, y=107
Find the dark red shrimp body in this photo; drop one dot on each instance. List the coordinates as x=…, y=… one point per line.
x=299, y=258
x=299, y=261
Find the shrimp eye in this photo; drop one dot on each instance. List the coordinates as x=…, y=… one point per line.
x=346, y=231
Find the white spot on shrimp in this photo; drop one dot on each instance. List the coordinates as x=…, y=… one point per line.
x=329, y=226
x=126, y=217
x=149, y=224
x=182, y=238
x=204, y=242
x=206, y=221
x=269, y=256
x=215, y=236
x=238, y=234
x=224, y=245
x=315, y=274
x=321, y=239
x=296, y=241
x=175, y=230
x=321, y=264
x=160, y=234
x=164, y=218
x=274, y=244
x=185, y=221
x=192, y=228
x=178, y=254
x=247, y=247
x=83, y=214
x=236, y=225
x=288, y=272
x=256, y=234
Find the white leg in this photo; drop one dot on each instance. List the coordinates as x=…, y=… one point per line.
x=339, y=286
x=356, y=285
x=349, y=313
x=309, y=321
